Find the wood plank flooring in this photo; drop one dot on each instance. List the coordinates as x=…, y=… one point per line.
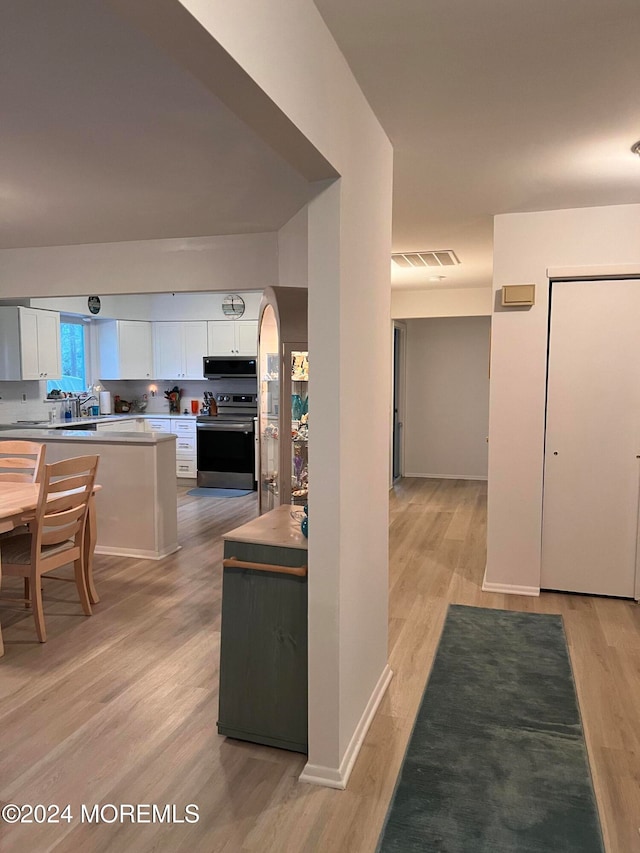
x=121, y=708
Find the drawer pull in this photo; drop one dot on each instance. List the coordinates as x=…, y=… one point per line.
x=235, y=563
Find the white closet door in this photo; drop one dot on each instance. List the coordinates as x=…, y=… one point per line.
x=590, y=513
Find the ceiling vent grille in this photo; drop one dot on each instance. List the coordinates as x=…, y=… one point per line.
x=442, y=258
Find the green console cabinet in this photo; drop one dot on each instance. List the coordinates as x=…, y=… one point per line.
x=263, y=641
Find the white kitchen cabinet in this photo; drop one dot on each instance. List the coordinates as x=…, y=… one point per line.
x=179, y=348
x=158, y=424
x=29, y=344
x=124, y=425
x=233, y=337
x=125, y=349
x=185, y=429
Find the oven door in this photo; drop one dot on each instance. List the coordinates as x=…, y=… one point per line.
x=226, y=455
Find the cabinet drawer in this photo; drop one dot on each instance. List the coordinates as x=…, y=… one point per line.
x=159, y=425
x=186, y=445
x=186, y=468
x=124, y=425
x=183, y=427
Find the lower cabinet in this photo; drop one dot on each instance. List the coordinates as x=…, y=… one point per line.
x=185, y=430
x=123, y=425
x=263, y=648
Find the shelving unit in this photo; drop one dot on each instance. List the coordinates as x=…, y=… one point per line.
x=283, y=405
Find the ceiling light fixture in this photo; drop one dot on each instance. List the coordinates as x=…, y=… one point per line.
x=635, y=148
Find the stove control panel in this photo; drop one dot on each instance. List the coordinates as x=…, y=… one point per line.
x=237, y=399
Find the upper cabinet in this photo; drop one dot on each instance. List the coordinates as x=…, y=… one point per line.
x=233, y=337
x=29, y=344
x=125, y=350
x=179, y=348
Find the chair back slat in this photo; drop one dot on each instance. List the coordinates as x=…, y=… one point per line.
x=21, y=461
x=66, y=500
x=68, y=484
x=62, y=532
x=64, y=516
x=16, y=462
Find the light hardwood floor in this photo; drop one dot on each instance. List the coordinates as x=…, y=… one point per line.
x=121, y=708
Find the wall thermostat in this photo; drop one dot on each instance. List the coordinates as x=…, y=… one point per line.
x=517, y=295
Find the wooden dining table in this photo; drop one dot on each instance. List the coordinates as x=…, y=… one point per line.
x=17, y=504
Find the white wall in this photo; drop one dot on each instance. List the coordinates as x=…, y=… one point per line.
x=155, y=306
x=447, y=400
x=525, y=246
x=236, y=262
x=441, y=302
x=293, y=251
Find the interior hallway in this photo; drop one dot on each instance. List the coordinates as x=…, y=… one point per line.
x=121, y=708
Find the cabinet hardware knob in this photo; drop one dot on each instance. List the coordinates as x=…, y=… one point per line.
x=555, y=452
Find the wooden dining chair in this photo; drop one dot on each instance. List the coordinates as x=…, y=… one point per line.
x=21, y=461
x=56, y=534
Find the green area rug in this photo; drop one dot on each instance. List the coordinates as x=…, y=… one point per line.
x=497, y=760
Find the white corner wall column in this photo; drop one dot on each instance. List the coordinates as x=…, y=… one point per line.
x=587, y=242
x=285, y=77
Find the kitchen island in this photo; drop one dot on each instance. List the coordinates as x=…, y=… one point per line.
x=137, y=507
x=263, y=638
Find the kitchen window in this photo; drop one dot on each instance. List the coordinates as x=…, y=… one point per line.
x=73, y=351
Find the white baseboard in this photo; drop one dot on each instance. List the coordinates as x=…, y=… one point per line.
x=509, y=588
x=332, y=777
x=136, y=553
x=447, y=476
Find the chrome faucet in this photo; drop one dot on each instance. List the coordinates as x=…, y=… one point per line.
x=74, y=406
x=83, y=402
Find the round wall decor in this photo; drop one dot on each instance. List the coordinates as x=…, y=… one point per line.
x=233, y=306
x=94, y=304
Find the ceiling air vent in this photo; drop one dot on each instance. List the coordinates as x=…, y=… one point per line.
x=443, y=258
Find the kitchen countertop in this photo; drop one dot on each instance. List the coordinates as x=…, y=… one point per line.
x=275, y=528
x=88, y=436
x=102, y=419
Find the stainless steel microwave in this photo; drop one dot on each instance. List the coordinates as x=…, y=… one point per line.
x=227, y=367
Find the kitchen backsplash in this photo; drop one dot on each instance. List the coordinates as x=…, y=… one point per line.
x=35, y=407
x=12, y=407
x=130, y=390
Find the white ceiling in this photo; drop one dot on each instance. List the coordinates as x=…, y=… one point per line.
x=495, y=106
x=104, y=138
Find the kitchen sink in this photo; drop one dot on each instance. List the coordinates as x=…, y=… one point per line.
x=79, y=426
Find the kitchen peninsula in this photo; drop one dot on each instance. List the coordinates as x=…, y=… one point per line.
x=137, y=506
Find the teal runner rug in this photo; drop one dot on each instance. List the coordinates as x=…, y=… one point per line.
x=497, y=761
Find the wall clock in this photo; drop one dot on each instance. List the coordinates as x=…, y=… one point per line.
x=233, y=306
